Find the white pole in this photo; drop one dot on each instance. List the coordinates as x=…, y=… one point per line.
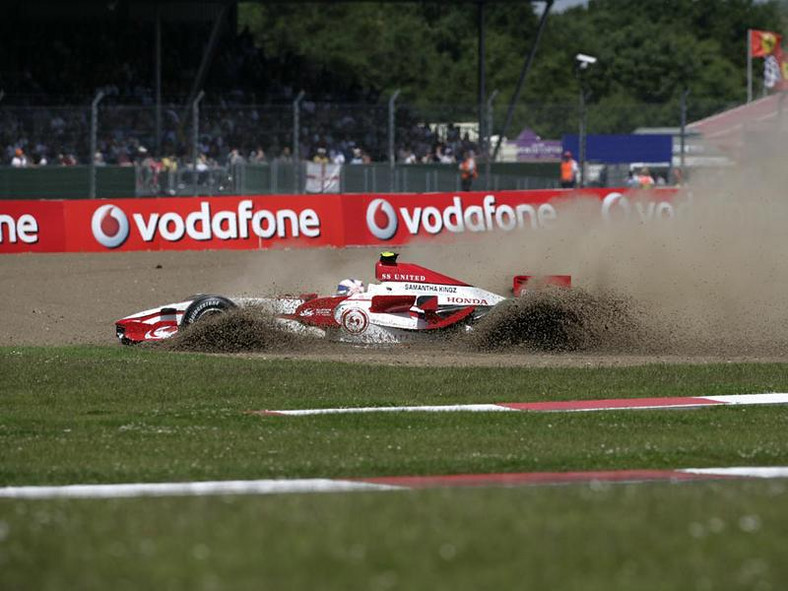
x=749, y=65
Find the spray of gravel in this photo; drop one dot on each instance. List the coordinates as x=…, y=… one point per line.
x=711, y=280
x=239, y=330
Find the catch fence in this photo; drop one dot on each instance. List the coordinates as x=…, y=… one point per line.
x=104, y=148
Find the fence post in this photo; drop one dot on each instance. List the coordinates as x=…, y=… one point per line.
x=392, y=158
x=581, y=136
x=684, y=96
x=297, y=141
x=94, y=142
x=487, y=155
x=196, y=136
x=157, y=76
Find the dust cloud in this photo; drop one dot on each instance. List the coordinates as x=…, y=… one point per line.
x=707, y=275
x=702, y=271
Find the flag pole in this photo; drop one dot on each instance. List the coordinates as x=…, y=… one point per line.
x=749, y=65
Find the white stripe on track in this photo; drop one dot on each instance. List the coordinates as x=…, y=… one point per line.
x=736, y=399
x=369, y=409
x=772, y=398
x=325, y=485
x=745, y=472
x=196, y=489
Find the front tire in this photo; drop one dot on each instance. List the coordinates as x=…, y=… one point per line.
x=204, y=306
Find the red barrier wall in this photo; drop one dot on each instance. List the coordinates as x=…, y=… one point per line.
x=304, y=221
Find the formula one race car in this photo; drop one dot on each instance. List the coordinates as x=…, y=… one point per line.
x=409, y=302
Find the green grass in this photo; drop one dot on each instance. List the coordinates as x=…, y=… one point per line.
x=101, y=415
x=74, y=415
x=659, y=536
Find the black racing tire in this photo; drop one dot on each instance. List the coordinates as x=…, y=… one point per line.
x=206, y=305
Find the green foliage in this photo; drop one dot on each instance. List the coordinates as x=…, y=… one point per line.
x=649, y=52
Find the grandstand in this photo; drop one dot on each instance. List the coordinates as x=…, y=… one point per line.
x=172, y=89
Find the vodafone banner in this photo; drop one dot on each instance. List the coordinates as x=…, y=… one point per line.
x=399, y=218
x=202, y=223
x=302, y=221
x=32, y=226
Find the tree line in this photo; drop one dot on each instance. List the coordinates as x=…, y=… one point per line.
x=649, y=54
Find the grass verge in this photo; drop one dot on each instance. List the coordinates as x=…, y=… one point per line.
x=689, y=536
x=80, y=414
x=99, y=414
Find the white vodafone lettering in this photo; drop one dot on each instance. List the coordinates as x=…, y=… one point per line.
x=455, y=218
x=228, y=224
x=171, y=227
x=147, y=230
x=411, y=222
x=25, y=229
x=616, y=206
x=309, y=223
x=201, y=217
x=257, y=224
x=491, y=215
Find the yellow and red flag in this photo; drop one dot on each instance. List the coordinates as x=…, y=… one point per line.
x=763, y=43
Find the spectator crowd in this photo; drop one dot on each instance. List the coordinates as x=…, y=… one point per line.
x=247, y=114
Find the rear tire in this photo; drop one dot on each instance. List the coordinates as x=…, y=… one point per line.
x=204, y=306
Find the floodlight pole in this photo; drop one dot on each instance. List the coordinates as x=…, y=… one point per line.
x=581, y=136
x=196, y=136
x=210, y=50
x=684, y=96
x=157, y=68
x=749, y=65
x=94, y=142
x=523, y=73
x=392, y=155
x=297, y=140
x=581, y=68
x=489, y=126
x=481, y=51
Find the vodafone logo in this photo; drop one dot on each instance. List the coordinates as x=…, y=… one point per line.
x=381, y=219
x=616, y=206
x=110, y=226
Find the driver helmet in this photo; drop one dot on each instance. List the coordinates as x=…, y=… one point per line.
x=350, y=287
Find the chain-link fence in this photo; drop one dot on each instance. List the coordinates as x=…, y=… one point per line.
x=126, y=150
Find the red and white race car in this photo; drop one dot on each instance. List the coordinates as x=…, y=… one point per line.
x=409, y=301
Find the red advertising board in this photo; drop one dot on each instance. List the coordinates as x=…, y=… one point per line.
x=303, y=221
x=400, y=218
x=202, y=223
x=32, y=226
